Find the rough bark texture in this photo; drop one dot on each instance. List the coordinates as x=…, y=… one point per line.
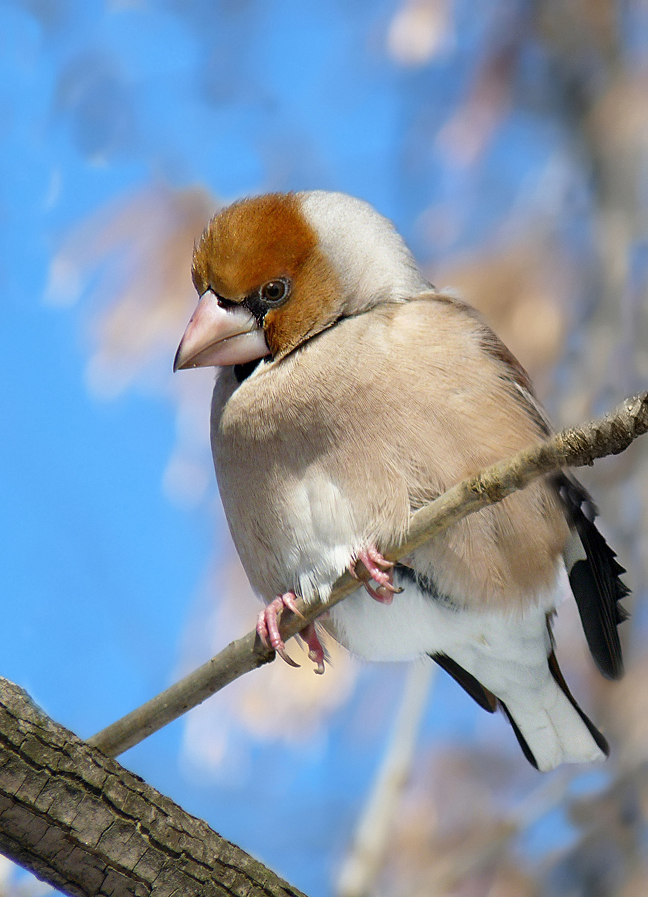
x=573, y=447
x=84, y=824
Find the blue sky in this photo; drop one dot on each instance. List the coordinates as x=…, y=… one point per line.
x=101, y=573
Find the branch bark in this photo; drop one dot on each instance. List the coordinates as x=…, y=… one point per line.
x=84, y=824
x=572, y=447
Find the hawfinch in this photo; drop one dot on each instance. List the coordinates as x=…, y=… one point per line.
x=351, y=392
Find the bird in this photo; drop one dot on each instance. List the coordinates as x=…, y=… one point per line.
x=350, y=393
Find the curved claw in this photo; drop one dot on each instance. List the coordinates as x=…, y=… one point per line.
x=268, y=628
x=380, y=593
x=374, y=555
x=380, y=570
x=290, y=600
x=315, y=650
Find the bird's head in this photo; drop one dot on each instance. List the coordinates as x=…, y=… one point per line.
x=275, y=270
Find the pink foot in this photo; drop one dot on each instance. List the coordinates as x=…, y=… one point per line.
x=268, y=628
x=380, y=570
x=315, y=649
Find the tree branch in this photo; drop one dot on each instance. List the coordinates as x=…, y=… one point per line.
x=84, y=824
x=573, y=447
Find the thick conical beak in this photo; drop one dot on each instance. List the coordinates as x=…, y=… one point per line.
x=217, y=336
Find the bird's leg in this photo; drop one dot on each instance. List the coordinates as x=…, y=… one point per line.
x=315, y=649
x=380, y=570
x=268, y=628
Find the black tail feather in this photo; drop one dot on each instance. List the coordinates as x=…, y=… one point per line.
x=467, y=681
x=483, y=697
x=556, y=672
x=491, y=703
x=594, y=580
x=526, y=750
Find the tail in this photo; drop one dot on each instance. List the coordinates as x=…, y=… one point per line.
x=548, y=723
x=551, y=728
x=510, y=664
x=594, y=578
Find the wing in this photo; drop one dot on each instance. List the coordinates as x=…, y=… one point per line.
x=594, y=572
x=594, y=576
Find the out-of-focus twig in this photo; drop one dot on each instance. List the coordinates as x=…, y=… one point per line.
x=371, y=839
x=482, y=849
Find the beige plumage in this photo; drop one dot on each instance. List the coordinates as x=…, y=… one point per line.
x=351, y=393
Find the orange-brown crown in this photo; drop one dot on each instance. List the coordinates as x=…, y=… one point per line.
x=258, y=240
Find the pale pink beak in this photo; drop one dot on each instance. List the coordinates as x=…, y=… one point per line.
x=217, y=336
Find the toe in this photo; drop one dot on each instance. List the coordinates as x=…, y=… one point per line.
x=268, y=625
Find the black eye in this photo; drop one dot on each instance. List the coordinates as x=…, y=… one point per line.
x=275, y=291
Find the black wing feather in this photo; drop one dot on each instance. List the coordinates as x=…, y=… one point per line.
x=595, y=580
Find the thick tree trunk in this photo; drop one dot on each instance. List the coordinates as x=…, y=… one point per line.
x=84, y=824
